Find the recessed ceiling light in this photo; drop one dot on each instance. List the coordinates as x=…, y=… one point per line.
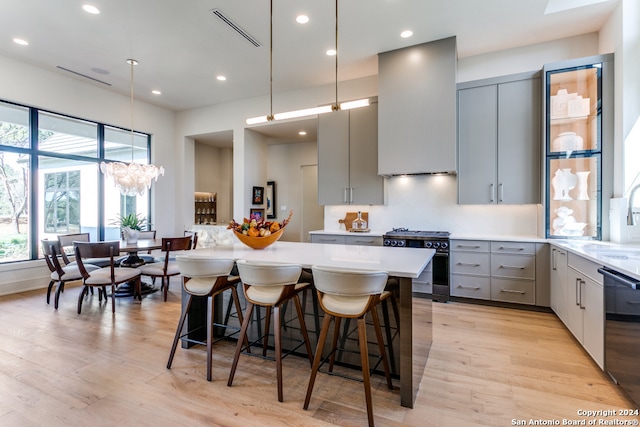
x=221, y=78
x=405, y=34
x=331, y=52
x=21, y=42
x=302, y=133
x=91, y=9
x=302, y=19
x=156, y=92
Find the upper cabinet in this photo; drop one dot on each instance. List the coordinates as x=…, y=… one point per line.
x=417, y=107
x=347, y=157
x=579, y=146
x=499, y=124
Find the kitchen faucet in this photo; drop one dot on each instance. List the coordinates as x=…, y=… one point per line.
x=630, y=218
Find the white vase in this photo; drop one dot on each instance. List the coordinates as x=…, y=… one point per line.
x=567, y=141
x=563, y=182
x=583, y=183
x=131, y=235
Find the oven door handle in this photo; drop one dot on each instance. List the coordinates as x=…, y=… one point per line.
x=619, y=278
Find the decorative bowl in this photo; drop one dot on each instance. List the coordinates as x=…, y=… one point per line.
x=259, y=242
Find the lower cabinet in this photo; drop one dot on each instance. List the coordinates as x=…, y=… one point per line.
x=343, y=239
x=577, y=297
x=494, y=270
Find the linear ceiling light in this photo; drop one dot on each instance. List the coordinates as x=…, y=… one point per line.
x=306, y=111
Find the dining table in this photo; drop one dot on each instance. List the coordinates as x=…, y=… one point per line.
x=415, y=324
x=133, y=260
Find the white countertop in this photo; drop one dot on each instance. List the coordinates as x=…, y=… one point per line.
x=409, y=262
x=622, y=258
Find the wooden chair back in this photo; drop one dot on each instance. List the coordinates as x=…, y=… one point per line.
x=84, y=250
x=51, y=250
x=66, y=241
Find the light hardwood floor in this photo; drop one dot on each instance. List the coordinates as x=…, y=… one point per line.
x=487, y=367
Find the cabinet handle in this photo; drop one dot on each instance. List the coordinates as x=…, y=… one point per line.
x=468, y=264
x=512, y=291
x=582, y=282
x=554, y=263
x=363, y=241
x=473, y=288
x=345, y=195
x=577, y=292
x=633, y=302
x=507, y=248
x=350, y=194
x=468, y=247
x=328, y=240
x=501, y=192
x=512, y=267
x=492, y=199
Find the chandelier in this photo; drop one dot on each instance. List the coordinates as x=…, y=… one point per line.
x=131, y=178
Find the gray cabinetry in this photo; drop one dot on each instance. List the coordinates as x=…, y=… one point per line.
x=495, y=270
x=417, y=95
x=342, y=239
x=499, y=140
x=347, y=158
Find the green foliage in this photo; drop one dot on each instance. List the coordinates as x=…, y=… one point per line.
x=13, y=247
x=132, y=221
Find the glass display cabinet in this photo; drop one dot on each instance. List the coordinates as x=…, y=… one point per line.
x=206, y=207
x=579, y=135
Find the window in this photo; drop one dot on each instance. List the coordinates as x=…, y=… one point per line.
x=62, y=202
x=52, y=161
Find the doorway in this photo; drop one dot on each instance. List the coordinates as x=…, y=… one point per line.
x=312, y=212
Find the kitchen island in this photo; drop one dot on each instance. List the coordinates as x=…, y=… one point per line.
x=403, y=266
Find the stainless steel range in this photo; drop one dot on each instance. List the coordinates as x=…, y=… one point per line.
x=438, y=240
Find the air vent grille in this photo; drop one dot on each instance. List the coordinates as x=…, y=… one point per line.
x=235, y=27
x=82, y=75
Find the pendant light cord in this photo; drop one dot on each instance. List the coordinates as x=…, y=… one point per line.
x=270, y=117
x=336, y=106
x=132, y=62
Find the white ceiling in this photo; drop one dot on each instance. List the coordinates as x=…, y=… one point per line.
x=182, y=46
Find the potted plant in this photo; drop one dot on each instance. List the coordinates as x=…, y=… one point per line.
x=131, y=225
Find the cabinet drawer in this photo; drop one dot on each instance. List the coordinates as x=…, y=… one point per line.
x=470, y=245
x=516, y=266
x=510, y=290
x=364, y=240
x=469, y=263
x=329, y=238
x=470, y=286
x=585, y=267
x=513, y=248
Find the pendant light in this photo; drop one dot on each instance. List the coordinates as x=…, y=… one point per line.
x=133, y=178
x=307, y=111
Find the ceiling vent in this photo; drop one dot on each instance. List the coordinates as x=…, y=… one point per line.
x=82, y=75
x=235, y=27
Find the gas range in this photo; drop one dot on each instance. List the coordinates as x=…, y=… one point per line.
x=403, y=237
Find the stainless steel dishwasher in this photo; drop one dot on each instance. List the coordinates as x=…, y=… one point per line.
x=622, y=331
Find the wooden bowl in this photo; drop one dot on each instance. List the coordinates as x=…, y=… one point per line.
x=259, y=242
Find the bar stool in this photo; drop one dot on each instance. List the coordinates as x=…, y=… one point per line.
x=270, y=285
x=204, y=277
x=349, y=294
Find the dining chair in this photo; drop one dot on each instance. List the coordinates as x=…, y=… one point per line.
x=349, y=294
x=270, y=285
x=59, y=274
x=105, y=276
x=66, y=244
x=205, y=277
x=166, y=267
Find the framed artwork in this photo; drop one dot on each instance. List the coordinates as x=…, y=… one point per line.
x=258, y=214
x=257, y=197
x=270, y=194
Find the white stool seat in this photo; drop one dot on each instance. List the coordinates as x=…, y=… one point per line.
x=345, y=293
x=204, y=277
x=270, y=285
